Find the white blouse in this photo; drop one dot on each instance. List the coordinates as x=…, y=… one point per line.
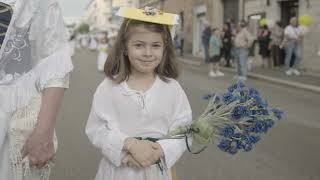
x=119, y=112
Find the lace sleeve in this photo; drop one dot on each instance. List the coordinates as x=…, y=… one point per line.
x=49, y=43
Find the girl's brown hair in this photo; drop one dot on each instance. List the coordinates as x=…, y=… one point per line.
x=117, y=66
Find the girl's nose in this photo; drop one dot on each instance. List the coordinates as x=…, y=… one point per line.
x=148, y=52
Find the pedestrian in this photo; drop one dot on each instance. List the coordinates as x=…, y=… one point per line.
x=226, y=43
x=35, y=64
x=243, y=41
x=293, y=40
x=181, y=34
x=205, y=37
x=139, y=99
x=264, y=40
x=214, y=52
x=103, y=48
x=93, y=42
x=276, y=39
x=72, y=41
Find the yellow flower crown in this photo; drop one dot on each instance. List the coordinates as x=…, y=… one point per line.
x=149, y=14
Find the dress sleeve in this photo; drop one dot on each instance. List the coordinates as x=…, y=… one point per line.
x=50, y=49
x=60, y=82
x=174, y=148
x=104, y=134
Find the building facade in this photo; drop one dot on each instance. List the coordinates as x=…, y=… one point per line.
x=192, y=13
x=100, y=14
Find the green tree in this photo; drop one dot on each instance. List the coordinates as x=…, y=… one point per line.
x=83, y=28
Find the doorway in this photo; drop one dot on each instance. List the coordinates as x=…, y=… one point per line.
x=288, y=9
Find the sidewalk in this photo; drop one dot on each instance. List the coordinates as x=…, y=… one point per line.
x=305, y=81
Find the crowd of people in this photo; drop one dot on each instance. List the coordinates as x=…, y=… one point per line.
x=278, y=47
x=100, y=42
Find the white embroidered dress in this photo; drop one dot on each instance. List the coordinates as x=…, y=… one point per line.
x=119, y=112
x=34, y=55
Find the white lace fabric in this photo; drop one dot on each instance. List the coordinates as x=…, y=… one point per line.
x=35, y=50
x=21, y=126
x=34, y=53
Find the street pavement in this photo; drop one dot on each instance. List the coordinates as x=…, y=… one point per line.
x=289, y=151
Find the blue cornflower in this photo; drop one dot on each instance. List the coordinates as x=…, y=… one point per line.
x=228, y=98
x=253, y=92
x=251, y=129
x=247, y=147
x=243, y=99
x=232, y=87
x=250, y=139
x=240, y=144
x=228, y=131
x=263, y=104
x=269, y=123
x=261, y=126
x=240, y=84
x=260, y=102
x=264, y=111
x=278, y=113
x=224, y=144
x=239, y=112
x=253, y=112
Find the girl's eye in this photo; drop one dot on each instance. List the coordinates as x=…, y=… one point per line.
x=156, y=45
x=138, y=45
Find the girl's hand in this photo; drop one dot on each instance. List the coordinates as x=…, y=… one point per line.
x=130, y=162
x=144, y=152
x=39, y=148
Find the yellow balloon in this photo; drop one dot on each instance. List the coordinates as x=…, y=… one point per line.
x=305, y=20
x=263, y=22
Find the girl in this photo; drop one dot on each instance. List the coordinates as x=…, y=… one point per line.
x=34, y=71
x=139, y=99
x=214, y=51
x=103, y=52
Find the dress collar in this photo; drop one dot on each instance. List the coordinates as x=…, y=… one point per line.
x=128, y=91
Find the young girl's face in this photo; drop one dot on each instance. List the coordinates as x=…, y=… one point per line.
x=145, y=50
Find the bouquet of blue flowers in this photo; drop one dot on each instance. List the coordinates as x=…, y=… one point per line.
x=234, y=120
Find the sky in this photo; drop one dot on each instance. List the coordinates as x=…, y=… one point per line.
x=73, y=9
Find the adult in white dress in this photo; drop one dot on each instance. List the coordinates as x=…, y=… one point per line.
x=34, y=71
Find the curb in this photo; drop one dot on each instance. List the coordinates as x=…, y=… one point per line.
x=302, y=86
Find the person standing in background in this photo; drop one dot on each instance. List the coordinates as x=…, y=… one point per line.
x=293, y=37
x=214, y=52
x=264, y=44
x=206, y=34
x=276, y=39
x=243, y=42
x=226, y=43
